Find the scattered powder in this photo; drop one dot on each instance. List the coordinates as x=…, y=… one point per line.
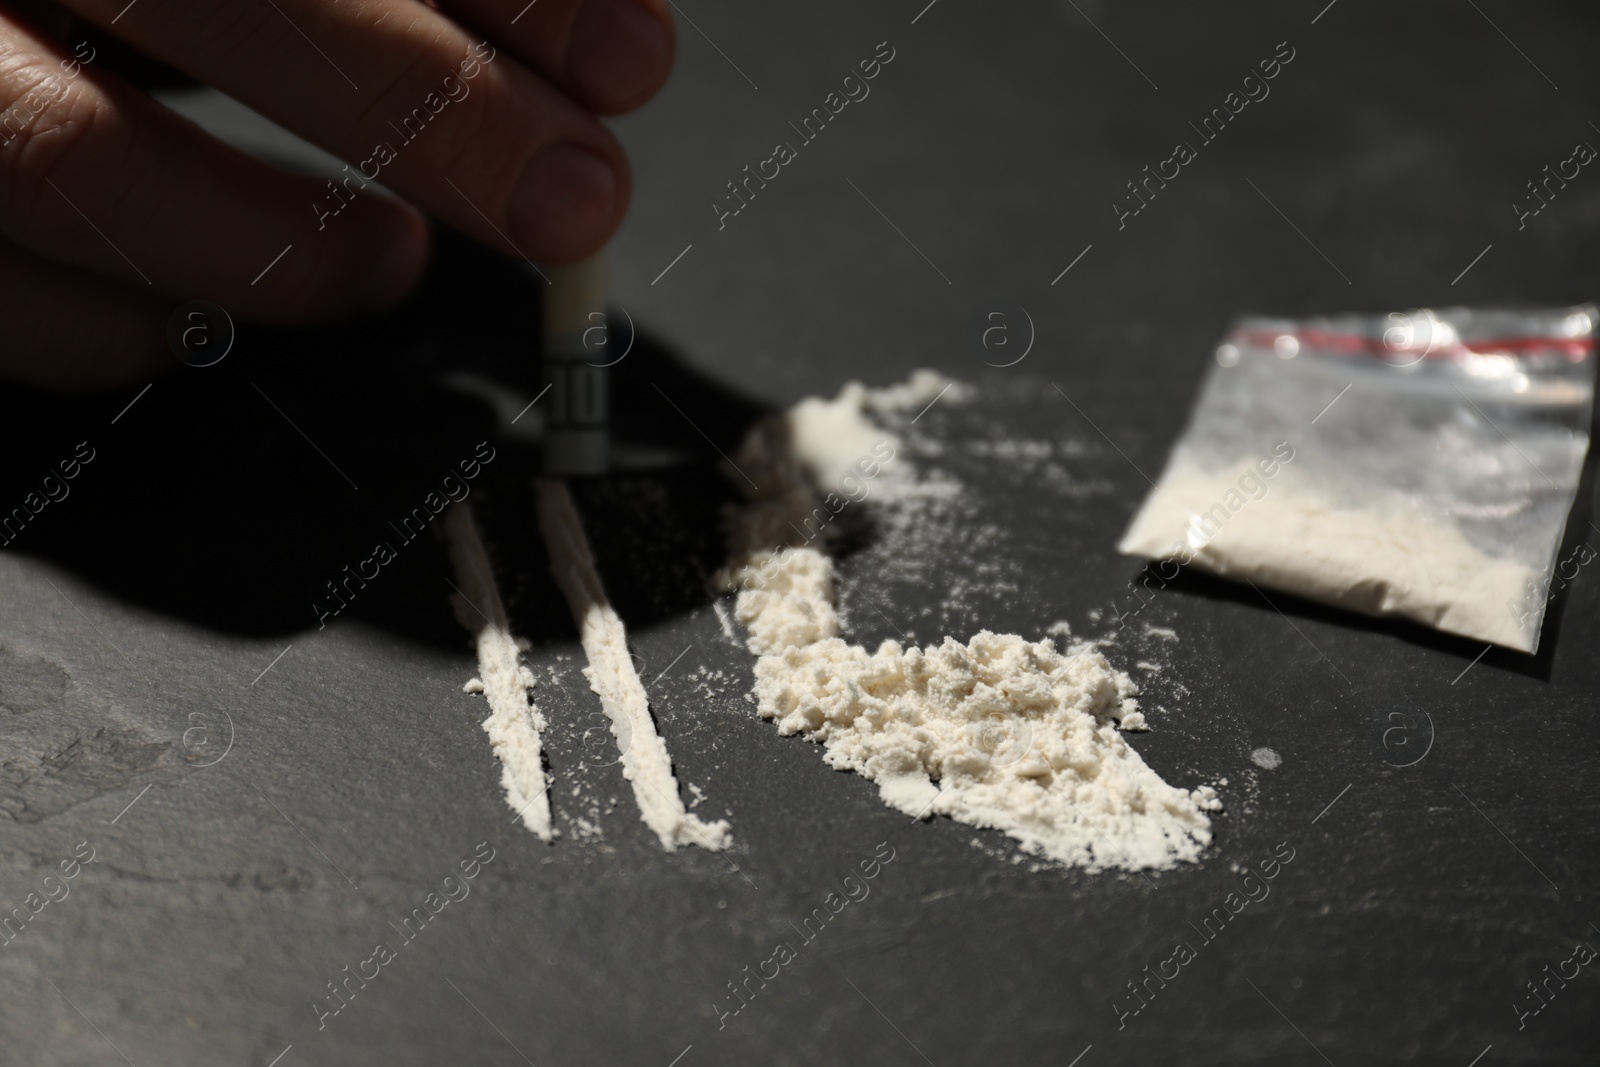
x=1059, y=628
x=1144, y=665
x=932, y=520
x=1163, y=632
x=1018, y=736
x=1049, y=465
x=1012, y=449
x=474, y=685
x=1372, y=559
x=1129, y=718
x=586, y=829
x=726, y=620
x=916, y=392
x=1266, y=759
x=514, y=721
x=613, y=678
x=706, y=681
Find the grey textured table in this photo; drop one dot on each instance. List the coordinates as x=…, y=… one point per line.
x=230, y=885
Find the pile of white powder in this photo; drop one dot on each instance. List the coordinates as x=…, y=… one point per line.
x=998, y=732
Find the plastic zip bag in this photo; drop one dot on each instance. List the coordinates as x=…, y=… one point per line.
x=1419, y=464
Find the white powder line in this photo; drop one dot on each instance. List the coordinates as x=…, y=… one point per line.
x=514, y=722
x=731, y=865
x=1080, y=1056
x=517, y=816
x=614, y=679
x=1479, y=1056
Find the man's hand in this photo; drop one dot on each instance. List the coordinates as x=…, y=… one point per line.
x=113, y=210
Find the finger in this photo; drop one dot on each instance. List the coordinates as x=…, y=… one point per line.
x=68, y=329
x=402, y=92
x=609, y=55
x=97, y=175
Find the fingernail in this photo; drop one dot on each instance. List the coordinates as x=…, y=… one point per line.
x=565, y=202
x=617, y=50
x=399, y=267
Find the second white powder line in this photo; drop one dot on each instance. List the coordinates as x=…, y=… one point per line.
x=612, y=676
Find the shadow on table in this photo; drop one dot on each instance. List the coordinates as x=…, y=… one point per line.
x=230, y=496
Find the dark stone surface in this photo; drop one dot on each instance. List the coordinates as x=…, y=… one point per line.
x=141, y=610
